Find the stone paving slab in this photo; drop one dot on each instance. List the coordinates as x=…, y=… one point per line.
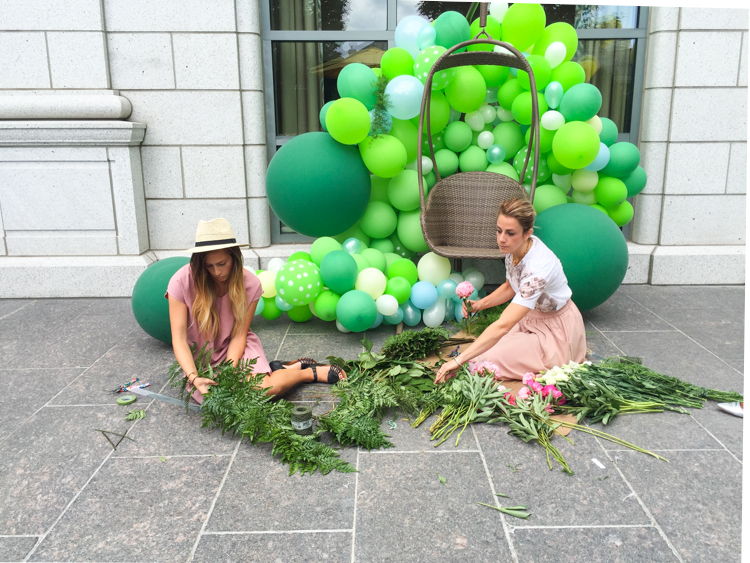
x=620, y=312
x=137, y=510
x=726, y=429
x=331, y=547
x=16, y=549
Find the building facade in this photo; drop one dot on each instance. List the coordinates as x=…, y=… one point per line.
x=124, y=122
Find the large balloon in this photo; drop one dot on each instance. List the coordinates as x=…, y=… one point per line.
x=384, y=156
x=318, y=186
x=358, y=81
x=590, y=247
x=150, y=309
x=356, y=311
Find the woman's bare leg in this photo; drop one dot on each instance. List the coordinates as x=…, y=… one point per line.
x=283, y=380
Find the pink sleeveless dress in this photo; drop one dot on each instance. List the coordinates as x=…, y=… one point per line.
x=182, y=288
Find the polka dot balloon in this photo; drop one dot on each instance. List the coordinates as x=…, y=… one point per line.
x=425, y=61
x=543, y=173
x=298, y=282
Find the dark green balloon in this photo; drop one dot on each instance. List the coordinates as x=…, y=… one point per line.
x=339, y=271
x=623, y=159
x=608, y=136
x=317, y=186
x=356, y=310
x=635, y=181
x=591, y=248
x=271, y=311
x=300, y=314
x=581, y=102
x=150, y=309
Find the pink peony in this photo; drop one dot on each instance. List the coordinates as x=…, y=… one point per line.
x=549, y=409
x=523, y=393
x=536, y=386
x=510, y=398
x=464, y=290
x=528, y=376
x=556, y=393
x=547, y=389
x=561, y=401
x=484, y=368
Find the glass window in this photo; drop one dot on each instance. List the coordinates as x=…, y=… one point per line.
x=329, y=15
x=305, y=74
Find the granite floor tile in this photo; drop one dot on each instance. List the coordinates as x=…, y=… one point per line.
x=598, y=342
x=592, y=496
x=726, y=428
x=260, y=495
x=422, y=519
x=723, y=337
x=675, y=354
x=408, y=439
x=310, y=392
x=620, y=312
x=47, y=461
x=613, y=545
x=313, y=326
x=331, y=547
x=137, y=510
x=277, y=327
x=111, y=306
x=27, y=391
x=703, y=524
x=379, y=335
x=15, y=549
x=9, y=307
x=319, y=347
x=45, y=315
x=136, y=355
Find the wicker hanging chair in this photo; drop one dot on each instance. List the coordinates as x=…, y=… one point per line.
x=459, y=216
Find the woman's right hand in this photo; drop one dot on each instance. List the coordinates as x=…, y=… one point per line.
x=202, y=384
x=475, y=307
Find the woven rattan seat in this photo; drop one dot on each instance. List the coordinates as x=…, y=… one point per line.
x=459, y=215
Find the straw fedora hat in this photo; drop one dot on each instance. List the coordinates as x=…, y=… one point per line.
x=214, y=235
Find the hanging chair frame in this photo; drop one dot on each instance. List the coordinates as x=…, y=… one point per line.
x=458, y=217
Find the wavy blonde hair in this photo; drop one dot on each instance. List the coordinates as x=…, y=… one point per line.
x=521, y=210
x=204, y=311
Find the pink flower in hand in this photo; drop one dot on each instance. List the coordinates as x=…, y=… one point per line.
x=523, y=393
x=510, y=398
x=464, y=290
x=547, y=389
x=536, y=386
x=528, y=376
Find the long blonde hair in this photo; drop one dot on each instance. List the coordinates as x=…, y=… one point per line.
x=204, y=311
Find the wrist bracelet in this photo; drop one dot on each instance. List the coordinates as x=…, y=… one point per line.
x=192, y=373
x=457, y=362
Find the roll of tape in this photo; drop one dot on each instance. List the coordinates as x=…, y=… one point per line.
x=126, y=400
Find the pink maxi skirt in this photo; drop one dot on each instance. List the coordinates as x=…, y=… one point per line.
x=539, y=341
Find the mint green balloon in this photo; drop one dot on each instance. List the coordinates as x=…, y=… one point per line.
x=358, y=81
x=581, y=102
x=375, y=257
x=320, y=248
x=356, y=311
x=547, y=196
x=322, y=114
x=623, y=159
x=403, y=191
x=635, y=181
x=458, y=136
x=383, y=245
x=508, y=135
x=338, y=271
x=447, y=162
x=409, y=231
x=451, y=28
x=473, y=159
x=608, y=135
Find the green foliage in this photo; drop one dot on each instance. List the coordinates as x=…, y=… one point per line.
x=136, y=414
x=485, y=318
x=381, y=107
x=415, y=344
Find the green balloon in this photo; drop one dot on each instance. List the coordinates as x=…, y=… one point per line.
x=399, y=248
x=378, y=189
x=508, y=135
x=321, y=247
x=358, y=81
x=493, y=28
x=325, y=305
x=316, y=185
x=542, y=73
x=425, y=61
x=403, y=191
x=581, y=102
x=395, y=62
x=322, y=114
x=505, y=168
x=508, y=92
x=404, y=268
x=558, y=31
x=584, y=198
x=430, y=179
x=300, y=314
x=622, y=214
x=150, y=309
x=362, y=262
x=356, y=311
x=440, y=112
x=300, y=255
x=451, y=28
x=375, y=258
x=600, y=208
x=493, y=75
x=355, y=231
x=635, y=181
x=623, y=160
x=299, y=282
x=407, y=133
x=409, y=231
x=555, y=166
x=379, y=220
x=458, y=136
x=546, y=196
x=447, y=162
x=523, y=24
x=568, y=74
x=348, y=121
x=608, y=135
x=438, y=143
x=576, y=145
x=383, y=245
x=385, y=156
x=338, y=270
x=610, y=192
x=467, y=90
x=522, y=106
x=271, y=311
x=545, y=135
x=400, y=288
x=390, y=258
x=543, y=172
x=590, y=247
x=473, y=159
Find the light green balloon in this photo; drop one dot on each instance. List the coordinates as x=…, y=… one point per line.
x=493, y=75
x=375, y=257
x=447, y=162
x=400, y=288
x=458, y=136
x=299, y=282
x=404, y=268
x=467, y=90
x=409, y=231
x=357, y=81
x=348, y=121
x=379, y=220
x=390, y=258
x=300, y=314
x=555, y=166
x=403, y=191
x=543, y=173
x=546, y=196
x=473, y=159
x=383, y=245
x=320, y=247
x=430, y=180
x=425, y=61
x=610, y=192
x=600, y=208
x=301, y=255
x=508, y=92
x=395, y=62
x=361, y=261
x=325, y=305
x=585, y=198
x=568, y=74
x=505, y=168
x=384, y=156
x=372, y=281
x=546, y=136
x=440, y=112
x=523, y=24
x=407, y=133
x=399, y=248
x=542, y=73
x=522, y=106
x=378, y=188
x=558, y=31
x=508, y=135
x=576, y=145
x=493, y=28
x=622, y=214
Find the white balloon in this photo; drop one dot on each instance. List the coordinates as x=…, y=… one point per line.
x=485, y=140
x=341, y=327
x=433, y=268
x=502, y=50
x=475, y=120
x=504, y=114
x=498, y=9
x=596, y=123
x=426, y=165
x=407, y=31
x=583, y=180
x=275, y=264
x=434, y=315
x=488, y=113
x=555, y=53
x=475, y=278
x=387, y=305
x=563, y=182
x=552, y=120
x=456, y=277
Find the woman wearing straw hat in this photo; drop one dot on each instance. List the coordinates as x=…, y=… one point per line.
x=212, y=300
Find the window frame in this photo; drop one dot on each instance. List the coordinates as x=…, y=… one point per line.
x=268, y=36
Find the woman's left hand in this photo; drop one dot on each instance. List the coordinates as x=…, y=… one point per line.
x=444, y=372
